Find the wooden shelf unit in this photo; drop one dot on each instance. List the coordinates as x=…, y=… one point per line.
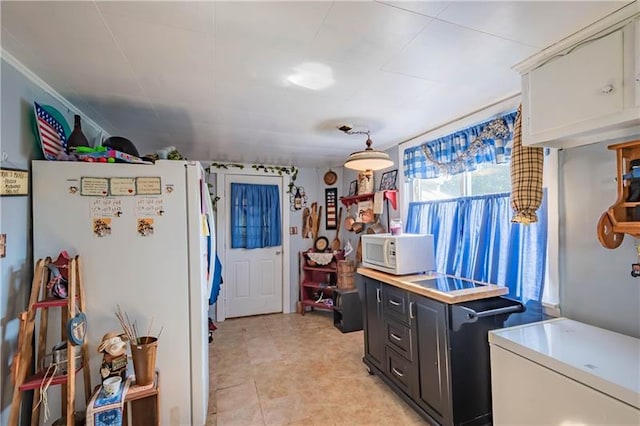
x=318, y=282
x=40, y=303
x=623, y=217
x=391, y=195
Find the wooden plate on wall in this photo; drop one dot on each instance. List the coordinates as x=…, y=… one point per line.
x=321, y=244
x=330, y=177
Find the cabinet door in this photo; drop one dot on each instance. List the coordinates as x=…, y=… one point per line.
x=583, y=85
x=433, y=358
x=373, y=325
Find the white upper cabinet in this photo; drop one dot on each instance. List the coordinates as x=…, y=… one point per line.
x=586, y=88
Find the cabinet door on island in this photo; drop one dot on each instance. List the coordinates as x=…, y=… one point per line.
x=433, y=352
x=374, y=326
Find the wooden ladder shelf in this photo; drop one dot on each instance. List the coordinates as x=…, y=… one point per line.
x=40, y=303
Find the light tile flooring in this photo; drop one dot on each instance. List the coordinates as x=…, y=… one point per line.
x=296, y=370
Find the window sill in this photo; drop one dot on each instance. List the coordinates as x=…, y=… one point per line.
x=552, y=310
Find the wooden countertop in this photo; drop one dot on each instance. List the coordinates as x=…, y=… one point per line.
x=406, y=282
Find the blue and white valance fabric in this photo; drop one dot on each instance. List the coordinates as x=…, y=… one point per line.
x=255, y=216
x=451, y=150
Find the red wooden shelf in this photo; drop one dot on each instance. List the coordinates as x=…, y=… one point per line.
x=389, y=194
x=311, y=284
x=308, y=302
x=51, y=302
x=327, y=268
x=37, y=379
x=314, y=282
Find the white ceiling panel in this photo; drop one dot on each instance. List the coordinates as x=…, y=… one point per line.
x=393, y=90
x=554, y=20
x=427, y=8
x=186, y=77
x=378, y=22
x=270, y=81
x=71, y=39
x=286, y=24
x=184, y=15
x=469, y=54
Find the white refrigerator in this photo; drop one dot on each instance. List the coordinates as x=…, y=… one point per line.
x=146, y=239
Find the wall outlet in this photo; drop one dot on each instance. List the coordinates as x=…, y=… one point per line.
x=293, y=230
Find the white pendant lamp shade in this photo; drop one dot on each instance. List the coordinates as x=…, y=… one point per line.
x=369, y=159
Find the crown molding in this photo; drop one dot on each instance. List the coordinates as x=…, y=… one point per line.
x=35, y=79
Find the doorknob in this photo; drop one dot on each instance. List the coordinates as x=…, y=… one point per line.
x=278, y=251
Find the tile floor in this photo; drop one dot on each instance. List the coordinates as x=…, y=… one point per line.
x=296, y=370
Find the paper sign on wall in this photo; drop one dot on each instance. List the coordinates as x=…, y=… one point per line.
x=14, y=182
x=105, y=207
x=102, y=227
x=95, y=187
x=122, y=186
x=145, y=227
x=149, y=206
x=148, y=186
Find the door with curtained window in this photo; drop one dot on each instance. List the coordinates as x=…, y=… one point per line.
x=253, y=244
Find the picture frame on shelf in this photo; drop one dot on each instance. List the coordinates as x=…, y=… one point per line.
x=388, y=180
x=353, y=188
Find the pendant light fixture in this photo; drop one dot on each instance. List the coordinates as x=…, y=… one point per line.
x=369, y=158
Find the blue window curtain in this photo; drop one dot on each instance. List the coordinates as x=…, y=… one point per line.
x=475, y=238
x=255, y=216
x=448, y=148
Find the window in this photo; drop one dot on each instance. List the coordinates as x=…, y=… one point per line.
x=255, y=216
x=487, y=179
x=461, y=193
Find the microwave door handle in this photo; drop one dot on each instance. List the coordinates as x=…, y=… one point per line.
x=385, y=250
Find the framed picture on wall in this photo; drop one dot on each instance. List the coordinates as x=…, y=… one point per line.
x=388, y=180
x=353, y=188
x=331, y=201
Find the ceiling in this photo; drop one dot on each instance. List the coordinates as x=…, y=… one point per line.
x=226, y=80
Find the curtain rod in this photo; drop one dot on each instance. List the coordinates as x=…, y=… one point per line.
x=479, y=110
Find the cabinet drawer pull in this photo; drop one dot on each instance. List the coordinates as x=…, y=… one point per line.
x=378, y=295
x=395, y=337
x=394, y=303
x=607, y=89
x=397, y=372
x=411, y=314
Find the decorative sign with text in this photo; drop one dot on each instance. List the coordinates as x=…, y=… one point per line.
x=14, y=182
x=148, y=186
x=122, y=186
x=95, y=187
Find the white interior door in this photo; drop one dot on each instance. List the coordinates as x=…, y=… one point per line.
x=253, y=277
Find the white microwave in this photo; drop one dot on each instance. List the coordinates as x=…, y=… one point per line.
x=398, y=254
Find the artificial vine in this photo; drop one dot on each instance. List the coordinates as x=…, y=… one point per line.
x=226, y=166
x=292, y=171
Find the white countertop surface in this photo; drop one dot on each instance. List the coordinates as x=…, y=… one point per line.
x=599, y=358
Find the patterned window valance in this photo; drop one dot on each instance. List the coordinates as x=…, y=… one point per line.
x=462, y=151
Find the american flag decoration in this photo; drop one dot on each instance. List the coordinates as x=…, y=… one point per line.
x=52, y=137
